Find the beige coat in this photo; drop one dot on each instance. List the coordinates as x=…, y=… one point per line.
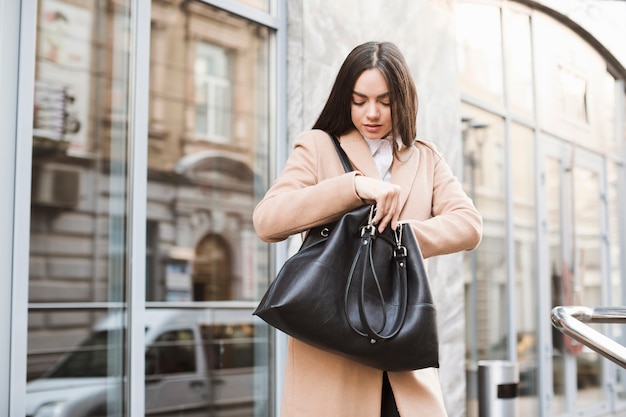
x=314, y=189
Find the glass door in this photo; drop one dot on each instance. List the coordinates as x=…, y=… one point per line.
x=575, y=271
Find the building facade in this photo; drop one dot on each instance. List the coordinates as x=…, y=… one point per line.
x=140, y=134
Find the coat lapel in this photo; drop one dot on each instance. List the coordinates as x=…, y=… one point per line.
x=403, y=171
x=359, y=153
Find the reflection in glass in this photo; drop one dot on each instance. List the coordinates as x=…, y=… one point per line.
x=572, y=85
x=554, y=207
x=480, y=51
x=617, y=287
x=207, y=154
x=212, y=74
x=486, y=267
x=79, y=204
x=606, y=127
x=518, y=53
x=199, y=362
x=574, y=230
x=587, y=275
x=208, y=158
x=524, y=206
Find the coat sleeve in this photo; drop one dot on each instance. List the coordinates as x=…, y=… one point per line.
x=313, y=189
x=455, y=224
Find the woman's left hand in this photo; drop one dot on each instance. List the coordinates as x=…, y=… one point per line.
x=385, y=195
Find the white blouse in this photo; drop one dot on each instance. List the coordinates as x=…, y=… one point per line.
x=382, y=151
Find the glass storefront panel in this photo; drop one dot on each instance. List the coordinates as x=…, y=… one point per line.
x=554, y=183
x=208, y=160
x=607, y=132
x=576, y=111
x=78, y=227
x=208, y=163
x=204, y=362
x=208, y=154
x=573, y=185
x=480, y=51
x=486, y=267
x=575, y=95
x=587, y=279
x=518, y=58
x=524, y=208
x=617, y=287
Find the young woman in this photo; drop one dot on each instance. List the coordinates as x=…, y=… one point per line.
x=372, y=110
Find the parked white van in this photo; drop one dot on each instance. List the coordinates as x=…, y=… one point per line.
x=198, y=363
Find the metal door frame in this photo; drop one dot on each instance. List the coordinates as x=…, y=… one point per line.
x=17, y=34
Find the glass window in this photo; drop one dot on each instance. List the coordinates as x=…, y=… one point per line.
x=78, y=220
x=555, y=206
x=201, y=193
x=577, y=104
x=587, y=270
x=486, y=267
x=576, y=244
x=213, y=92
x=606, y=130
x=518, y=53
x=573, y=93
x=480, y=51
x=173, y=352
x=209, y=164
x=523, y=170
x=617, y=287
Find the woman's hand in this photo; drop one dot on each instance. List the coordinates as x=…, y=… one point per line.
x=385, y=195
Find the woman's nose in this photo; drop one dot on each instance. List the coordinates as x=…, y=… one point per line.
x=372, y=111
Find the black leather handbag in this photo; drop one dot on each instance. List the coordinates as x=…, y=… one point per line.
x=358, y=293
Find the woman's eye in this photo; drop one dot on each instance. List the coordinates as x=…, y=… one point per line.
x=387, y=104
x=358, y=103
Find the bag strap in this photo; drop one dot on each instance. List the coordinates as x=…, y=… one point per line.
x=342, y=154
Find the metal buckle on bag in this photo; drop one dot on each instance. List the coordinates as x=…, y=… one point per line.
x=370, y=227
x=399, y=250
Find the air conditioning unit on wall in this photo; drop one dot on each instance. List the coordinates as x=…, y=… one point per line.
x=56, y=186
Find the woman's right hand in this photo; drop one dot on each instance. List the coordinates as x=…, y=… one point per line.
x=385, y=195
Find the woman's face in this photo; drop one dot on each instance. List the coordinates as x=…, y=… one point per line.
x=371, y=109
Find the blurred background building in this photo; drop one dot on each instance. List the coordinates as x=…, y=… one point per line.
x=139, y=135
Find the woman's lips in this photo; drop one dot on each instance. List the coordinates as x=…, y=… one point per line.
x=372, y=128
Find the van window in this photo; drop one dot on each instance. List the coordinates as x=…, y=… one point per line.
x=228, y=345
x=88, y=360
x=173, y=352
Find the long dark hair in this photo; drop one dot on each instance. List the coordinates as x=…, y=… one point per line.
x=335, y=118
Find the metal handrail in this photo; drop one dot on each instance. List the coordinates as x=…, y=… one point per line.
x=570, y=321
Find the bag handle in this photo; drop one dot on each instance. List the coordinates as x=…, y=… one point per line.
x=368, y=238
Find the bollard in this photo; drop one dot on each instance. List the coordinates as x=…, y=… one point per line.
x=498, y=386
